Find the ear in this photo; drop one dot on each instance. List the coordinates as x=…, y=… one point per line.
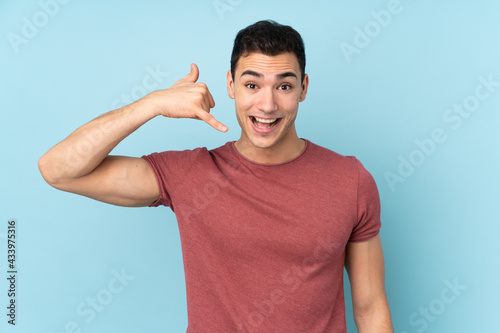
x=305, y=85
x=230, y=84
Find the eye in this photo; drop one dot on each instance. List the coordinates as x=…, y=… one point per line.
x=251, y=86
x=285, y=86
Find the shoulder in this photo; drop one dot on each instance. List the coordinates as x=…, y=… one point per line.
x=331, y=158
x=337, y=166
x=175, y=158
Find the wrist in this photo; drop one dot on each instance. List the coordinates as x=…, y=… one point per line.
x=146, y=108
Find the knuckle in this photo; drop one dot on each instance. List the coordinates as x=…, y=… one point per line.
x=203, y=87
x=198, y=99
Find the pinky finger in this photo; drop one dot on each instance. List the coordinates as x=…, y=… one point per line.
x=209, y=119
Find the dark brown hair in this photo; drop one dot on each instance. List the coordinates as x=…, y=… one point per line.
x=269, y=38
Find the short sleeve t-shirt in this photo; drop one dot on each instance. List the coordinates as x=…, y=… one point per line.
x=264, y=244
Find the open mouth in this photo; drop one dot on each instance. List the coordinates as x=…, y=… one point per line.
x=264, y=123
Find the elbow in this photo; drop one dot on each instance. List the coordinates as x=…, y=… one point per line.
x=369, y=307
x=47, y=171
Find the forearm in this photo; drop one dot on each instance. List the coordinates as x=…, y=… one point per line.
x=374, y=319
x=84, y=149
x=365, y=266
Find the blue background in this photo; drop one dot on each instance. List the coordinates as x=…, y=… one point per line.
x=440, y=224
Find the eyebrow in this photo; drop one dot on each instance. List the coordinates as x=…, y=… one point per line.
x=259, y=75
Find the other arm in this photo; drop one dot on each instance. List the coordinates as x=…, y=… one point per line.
x=365, y=267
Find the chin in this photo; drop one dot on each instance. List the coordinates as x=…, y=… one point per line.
x=264, y=142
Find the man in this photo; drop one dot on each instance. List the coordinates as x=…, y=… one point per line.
x=267, y=222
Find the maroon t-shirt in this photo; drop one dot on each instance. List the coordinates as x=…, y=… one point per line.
x=264, y=244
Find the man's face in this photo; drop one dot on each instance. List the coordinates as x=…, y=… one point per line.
x=267, y=91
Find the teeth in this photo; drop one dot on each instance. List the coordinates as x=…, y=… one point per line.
x=268, y=121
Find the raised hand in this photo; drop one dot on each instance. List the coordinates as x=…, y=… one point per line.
x=187, y=98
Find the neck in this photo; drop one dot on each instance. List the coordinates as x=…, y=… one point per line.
x=280, y=152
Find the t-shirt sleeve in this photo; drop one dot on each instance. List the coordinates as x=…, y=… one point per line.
x=155, y=161
x=171, y=168
x=368, y=207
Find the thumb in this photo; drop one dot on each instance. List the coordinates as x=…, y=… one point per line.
x=192, y=76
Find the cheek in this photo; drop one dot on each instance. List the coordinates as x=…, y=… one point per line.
x=289, y=104
x=243, y=103
x=240, y=111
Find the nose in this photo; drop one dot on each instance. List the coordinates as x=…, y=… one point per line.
x=267, y=101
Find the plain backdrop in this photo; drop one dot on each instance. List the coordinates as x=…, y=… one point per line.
x=411, y=88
